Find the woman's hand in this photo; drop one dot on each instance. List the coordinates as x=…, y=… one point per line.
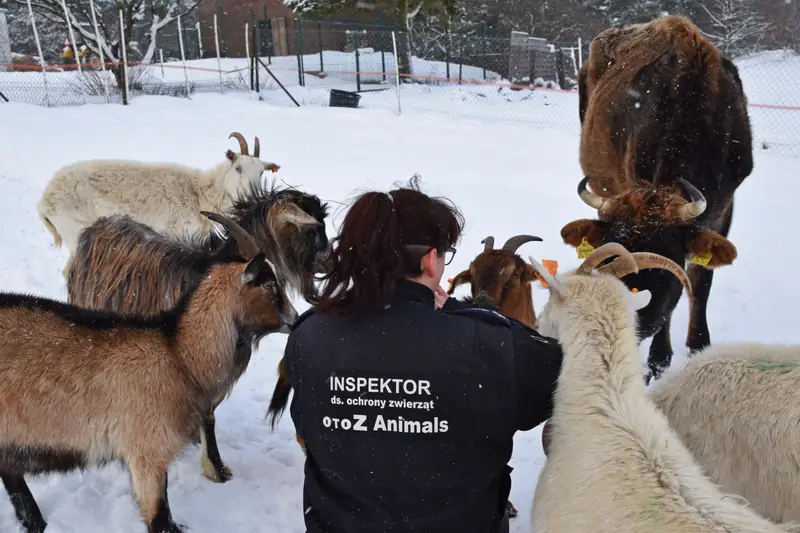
x=440, y=297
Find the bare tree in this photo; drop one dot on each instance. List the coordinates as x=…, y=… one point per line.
x=142, y=19
x=733, y=25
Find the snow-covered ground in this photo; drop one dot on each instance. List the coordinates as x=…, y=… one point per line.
x=507, y=178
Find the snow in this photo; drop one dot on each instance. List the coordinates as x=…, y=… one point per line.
x=508, y=178
x=771, y=81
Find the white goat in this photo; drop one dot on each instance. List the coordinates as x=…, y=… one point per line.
x=165, y=196
x=734, y=407
x=615, y=465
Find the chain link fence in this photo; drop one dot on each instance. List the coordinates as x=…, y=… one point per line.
x=514, y=78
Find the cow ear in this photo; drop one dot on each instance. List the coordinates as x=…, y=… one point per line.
x=462, y=278
x=577, y=230
x=711, y=250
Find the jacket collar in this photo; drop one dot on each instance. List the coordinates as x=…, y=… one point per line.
x=415, y=292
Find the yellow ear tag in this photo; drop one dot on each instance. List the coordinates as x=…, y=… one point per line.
x=552, y=266
x=701, y=259
x=584, y=249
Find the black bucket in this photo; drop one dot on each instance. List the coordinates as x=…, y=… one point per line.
x=344, y=98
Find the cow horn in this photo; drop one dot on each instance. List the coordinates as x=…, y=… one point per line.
x=588, y=197
x=694, y=208
x=488, y=243
x=257, y=149
x=244, y=239
x=515, y=242
x=242, y=142
x=604, y=252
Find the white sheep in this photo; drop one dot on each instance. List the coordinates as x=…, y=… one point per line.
x=735, y=408
x=615, y=465
x=165, y=196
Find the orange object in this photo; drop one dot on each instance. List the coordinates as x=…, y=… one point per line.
x=634, y=290
x=552, y=266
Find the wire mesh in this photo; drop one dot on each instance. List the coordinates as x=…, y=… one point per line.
x=514, y=79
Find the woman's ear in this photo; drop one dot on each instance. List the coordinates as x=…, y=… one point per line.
x=428, y=263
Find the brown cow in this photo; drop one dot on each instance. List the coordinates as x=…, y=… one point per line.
x=665, y=143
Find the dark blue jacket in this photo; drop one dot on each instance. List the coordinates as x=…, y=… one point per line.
x=409, y=413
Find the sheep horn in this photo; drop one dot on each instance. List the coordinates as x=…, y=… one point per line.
x=515, y=242
x=257, y=149
x=242, y=142
x=244, y=239
x=604, y=252
x=694, y=208
x=651, y=260
x=589, y=198
x=488, y=242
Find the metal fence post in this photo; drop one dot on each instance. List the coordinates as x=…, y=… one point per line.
x=358, y=64
x=319, y=43
x=298, y=32
x=483, y=45
x=447, y=54
x=222, y=41
x=381, y=33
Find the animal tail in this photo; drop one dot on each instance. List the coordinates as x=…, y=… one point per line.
x=280, y=396
x=50, y=227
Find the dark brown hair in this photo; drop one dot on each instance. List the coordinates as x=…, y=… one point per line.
x=371, y=248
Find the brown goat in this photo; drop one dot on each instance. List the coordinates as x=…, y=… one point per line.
x=502, y=279
x=83, y=387
x=124, y=266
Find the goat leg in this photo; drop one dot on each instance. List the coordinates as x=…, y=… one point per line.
x=150, y=489
x=25, y=506
x=213, y=467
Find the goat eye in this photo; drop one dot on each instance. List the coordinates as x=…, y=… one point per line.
x=239, y=169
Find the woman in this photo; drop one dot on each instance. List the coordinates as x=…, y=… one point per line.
x=408, y=402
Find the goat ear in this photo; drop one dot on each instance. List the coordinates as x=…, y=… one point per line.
x=577, y=230
x=462, y=278
x=291, y=214
x=231, y=155
x=712, y=247
x=639, y=300
x=528, y=274
x=553, y=282
x=258, y=271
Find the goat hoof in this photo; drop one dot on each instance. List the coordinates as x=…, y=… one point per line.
x=222, y=475
x=510, y=509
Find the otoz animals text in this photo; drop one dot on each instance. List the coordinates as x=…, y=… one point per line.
x=360, y=422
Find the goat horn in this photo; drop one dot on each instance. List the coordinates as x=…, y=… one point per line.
x=651, y=260
x=242, y=142
x=604, y=252
x=244, y=239
x=488, y=242
x=694, y=208
x=589, y=198
x=515, y=242
x=552, y=282
x=257, y=148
